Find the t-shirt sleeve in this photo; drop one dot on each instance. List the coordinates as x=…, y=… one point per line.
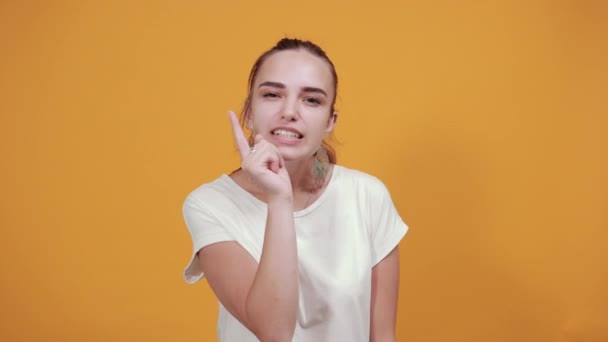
x=205, y=229
x=387, y=227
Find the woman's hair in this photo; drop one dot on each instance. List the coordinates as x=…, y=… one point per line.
x=293, y=44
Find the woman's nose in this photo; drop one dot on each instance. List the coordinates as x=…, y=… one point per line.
x=290, y=110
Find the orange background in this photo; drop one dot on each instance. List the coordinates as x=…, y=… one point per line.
x=486, y=120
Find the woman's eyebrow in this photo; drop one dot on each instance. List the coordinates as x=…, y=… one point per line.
x=314, y=90
x=272, y=84
x=282, y=86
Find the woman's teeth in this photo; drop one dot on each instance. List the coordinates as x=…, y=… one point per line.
x=284, y=133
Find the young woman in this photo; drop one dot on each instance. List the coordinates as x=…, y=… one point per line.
x=295, y=247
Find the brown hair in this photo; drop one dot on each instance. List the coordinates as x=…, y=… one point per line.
x=293, y=44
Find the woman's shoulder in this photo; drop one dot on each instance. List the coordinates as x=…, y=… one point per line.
x=357, y=178
x=211, y=191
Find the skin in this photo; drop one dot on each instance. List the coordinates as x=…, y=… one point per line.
x=292, y=91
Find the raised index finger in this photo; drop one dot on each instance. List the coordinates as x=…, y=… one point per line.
x=239, y=136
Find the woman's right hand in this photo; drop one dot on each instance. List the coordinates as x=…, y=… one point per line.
x=263, y=164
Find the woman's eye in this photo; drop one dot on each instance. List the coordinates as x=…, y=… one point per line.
x=271, y=95
x=313, y=100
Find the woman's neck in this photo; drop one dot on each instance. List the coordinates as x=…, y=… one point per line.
x=306, y=186
x=303, y=180
x=300, y=172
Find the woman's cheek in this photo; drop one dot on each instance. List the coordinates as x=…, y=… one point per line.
x=269, y=107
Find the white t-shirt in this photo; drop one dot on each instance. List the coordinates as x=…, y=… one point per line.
x=351, y=227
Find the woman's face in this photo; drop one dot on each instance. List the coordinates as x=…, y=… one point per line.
x=291, y=100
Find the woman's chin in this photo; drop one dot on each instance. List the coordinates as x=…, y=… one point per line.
x=290, y=157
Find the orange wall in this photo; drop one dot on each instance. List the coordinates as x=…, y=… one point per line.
x=487, y=122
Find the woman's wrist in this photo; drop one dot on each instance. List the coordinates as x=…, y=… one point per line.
x=281, y=202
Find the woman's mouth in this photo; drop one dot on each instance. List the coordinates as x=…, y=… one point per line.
x=286, y=134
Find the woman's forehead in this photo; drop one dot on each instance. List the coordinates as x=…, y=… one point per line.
x=296, y=68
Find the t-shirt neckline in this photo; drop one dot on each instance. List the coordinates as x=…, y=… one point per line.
x=334, y=173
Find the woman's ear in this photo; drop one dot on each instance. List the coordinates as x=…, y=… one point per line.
x=247, y=114
x=331, y=123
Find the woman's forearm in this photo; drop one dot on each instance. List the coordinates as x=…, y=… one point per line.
x=273, y=298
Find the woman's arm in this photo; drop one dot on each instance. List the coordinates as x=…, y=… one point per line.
x=385, y=291
x=262, y=297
